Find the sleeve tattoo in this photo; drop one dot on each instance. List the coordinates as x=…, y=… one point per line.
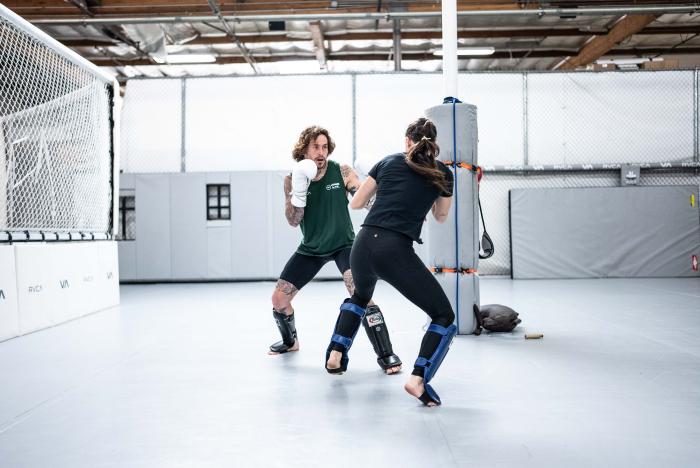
x=293, y=213
x=350, y=179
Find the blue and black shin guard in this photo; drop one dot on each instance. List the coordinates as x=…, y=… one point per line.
x=346, y=327
x=432, y=364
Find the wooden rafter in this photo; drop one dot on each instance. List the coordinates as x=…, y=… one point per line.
x=599, y=46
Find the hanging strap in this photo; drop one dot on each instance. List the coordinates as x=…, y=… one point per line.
x=486, y=242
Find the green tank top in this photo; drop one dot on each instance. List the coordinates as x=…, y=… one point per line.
x=326, y=224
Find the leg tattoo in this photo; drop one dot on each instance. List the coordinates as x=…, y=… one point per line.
x=349, y=284
x=286, y=287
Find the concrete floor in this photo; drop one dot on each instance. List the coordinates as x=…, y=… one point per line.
x=178, y=377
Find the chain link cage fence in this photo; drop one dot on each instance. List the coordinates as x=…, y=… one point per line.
x=495, y=187
x=580, y=128
x=56, y=151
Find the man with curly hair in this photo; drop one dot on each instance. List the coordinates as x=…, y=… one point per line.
x=316, y=198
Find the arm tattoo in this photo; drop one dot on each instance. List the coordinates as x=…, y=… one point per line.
x=285, y=287
x=350, y=179
x=349, y=283
x=293, y=214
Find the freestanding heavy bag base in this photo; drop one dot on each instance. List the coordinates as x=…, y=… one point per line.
x=468, y=285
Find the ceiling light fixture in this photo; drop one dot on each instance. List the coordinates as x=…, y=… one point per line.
x=628, y=61
x=470, y=51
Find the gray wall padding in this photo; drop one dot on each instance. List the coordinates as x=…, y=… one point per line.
x=251, y=223
x=219, y=245
x=604, y=232
x=174, y=240
x=188, y=235
x=153, y=254
x=467, y=136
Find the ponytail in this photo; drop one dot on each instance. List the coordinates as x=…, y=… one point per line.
x=422, y=156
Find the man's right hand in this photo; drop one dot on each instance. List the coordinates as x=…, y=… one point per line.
x=303, y=173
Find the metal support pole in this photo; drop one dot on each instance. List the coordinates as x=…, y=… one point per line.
x=526, y=149
x=183, y=125
x=696, y=117
x=397, y=45
x=354, y=119
x=449, y=46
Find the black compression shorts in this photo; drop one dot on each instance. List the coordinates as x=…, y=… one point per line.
x=300, y=269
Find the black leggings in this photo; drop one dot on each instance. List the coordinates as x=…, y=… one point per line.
x=300, y=269
x=380, y=253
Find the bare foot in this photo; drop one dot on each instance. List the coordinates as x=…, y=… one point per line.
x=293, y=348
x=334, y=360
x=415, y=387
x=393, y=370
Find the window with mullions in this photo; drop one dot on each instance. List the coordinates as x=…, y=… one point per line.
x=127, y=218
x=218, y=201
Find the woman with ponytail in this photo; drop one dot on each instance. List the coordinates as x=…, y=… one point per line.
x=407, y=186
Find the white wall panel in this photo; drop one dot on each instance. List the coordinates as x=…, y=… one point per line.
x=57, y=282
x=33, y=292
x=107, y=274
x=9, y=315
x=88, y=296
x=251, y=233
x=188, y=226
x=153, y=261
x=63, y=265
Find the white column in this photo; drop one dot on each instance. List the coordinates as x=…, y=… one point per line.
x=449, y=46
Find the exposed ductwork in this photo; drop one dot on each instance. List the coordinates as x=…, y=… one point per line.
x=560, y=12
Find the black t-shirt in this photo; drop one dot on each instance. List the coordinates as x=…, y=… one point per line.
x=404, y=197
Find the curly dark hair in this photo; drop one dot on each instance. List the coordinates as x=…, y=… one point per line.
x=309, y=135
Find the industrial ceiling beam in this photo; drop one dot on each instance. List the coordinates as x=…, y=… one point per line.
x=194, y=7
x=332, y=15
x=382, y=56
x=599, y=46
x=231, y=33
x=111, y=31
x=385, y=35
x=82, y=6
